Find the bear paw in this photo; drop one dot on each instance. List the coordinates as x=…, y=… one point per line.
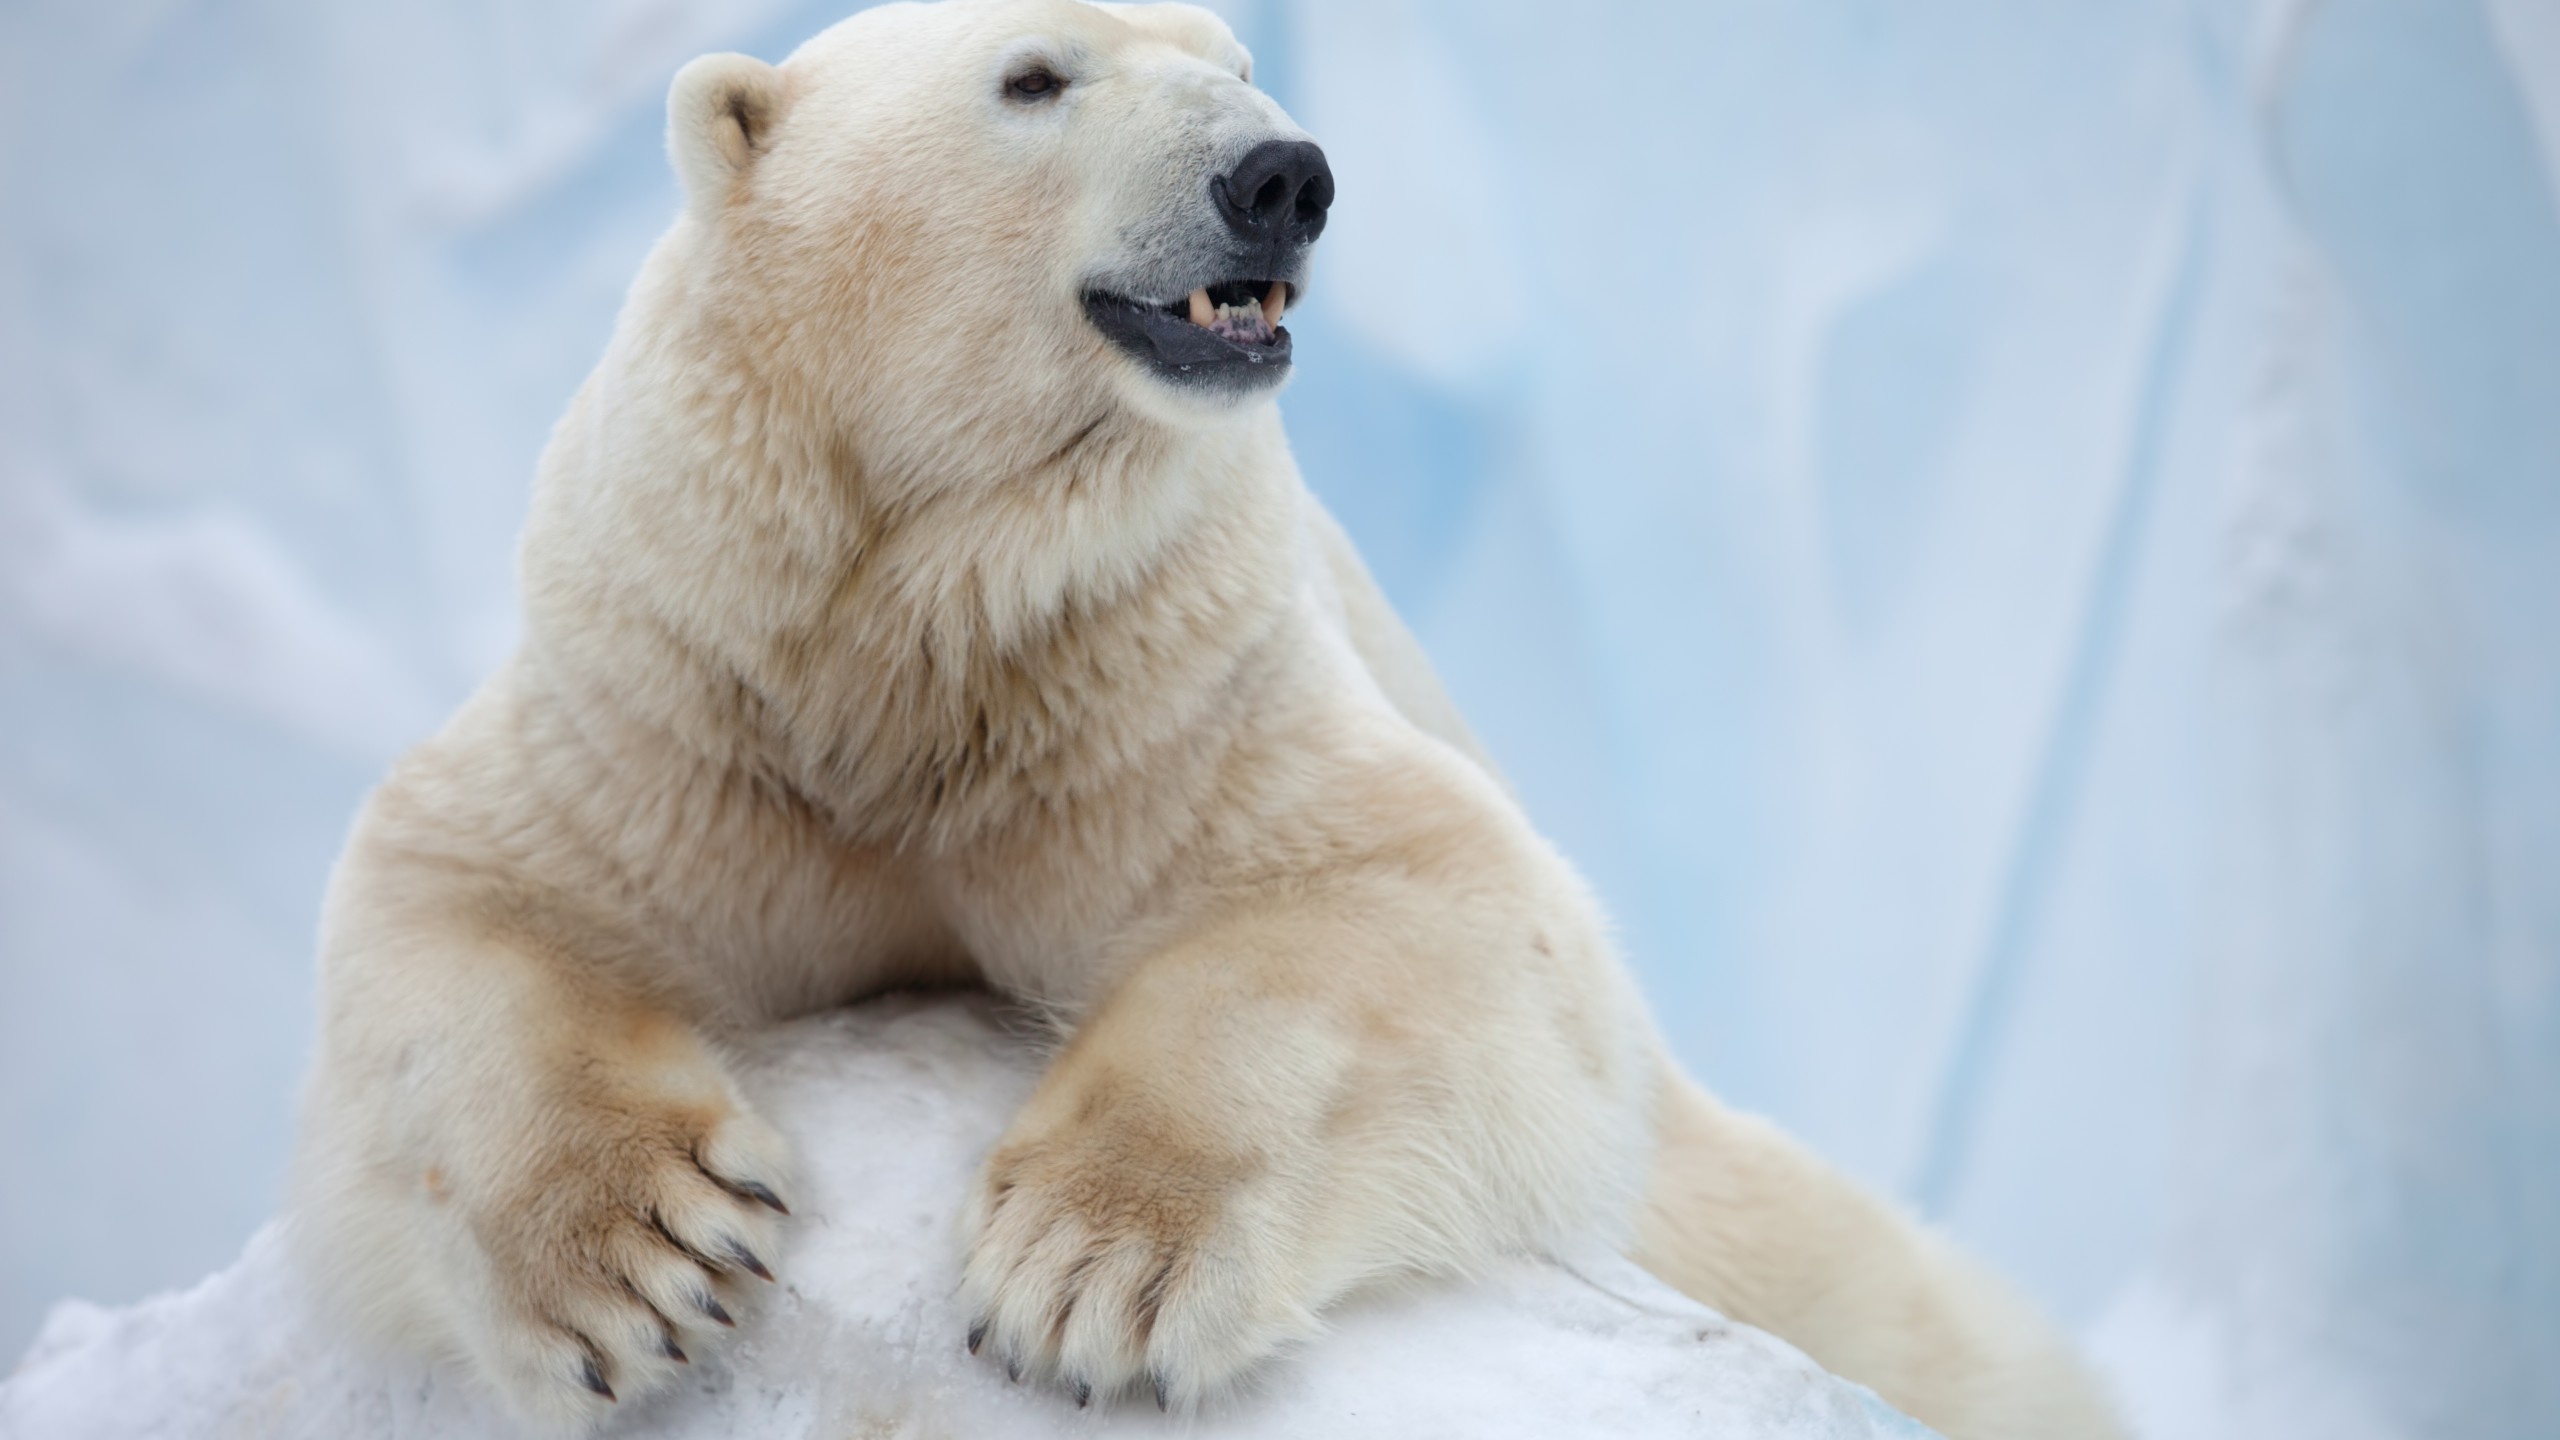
x=626, y=1245
x=1111, y=1266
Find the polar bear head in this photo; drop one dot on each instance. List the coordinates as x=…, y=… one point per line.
x=981, y=218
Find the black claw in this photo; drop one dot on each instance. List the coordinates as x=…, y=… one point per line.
x=710, y=1305
x=1013, y=1370
x=763, y=1194
x=744, y=1256
x=977, y=1336
x=1163, y=1401
x=1084, y=1393
x=593, y=1378
x=668, y=1347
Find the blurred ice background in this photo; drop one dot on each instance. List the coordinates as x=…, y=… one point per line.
x=2018, y=544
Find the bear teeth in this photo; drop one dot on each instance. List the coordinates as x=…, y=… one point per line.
x=1242, y=323
x=1248, y=323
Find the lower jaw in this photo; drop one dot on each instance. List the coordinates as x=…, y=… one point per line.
x=1185, y=353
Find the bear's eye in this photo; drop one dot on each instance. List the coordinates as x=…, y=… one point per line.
x=1038, y=82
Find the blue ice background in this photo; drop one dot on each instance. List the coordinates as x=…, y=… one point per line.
x=2018, y=544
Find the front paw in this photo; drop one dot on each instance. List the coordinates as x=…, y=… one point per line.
x=1111, y=1257
x=626, y=1242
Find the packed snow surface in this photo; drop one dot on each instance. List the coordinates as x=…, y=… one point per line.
x=892, y=1105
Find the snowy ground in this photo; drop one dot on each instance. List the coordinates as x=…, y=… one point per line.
x=891, y=1105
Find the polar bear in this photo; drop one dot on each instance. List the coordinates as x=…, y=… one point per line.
x=921, y=592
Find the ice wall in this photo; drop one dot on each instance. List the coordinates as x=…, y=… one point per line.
x=2018, y=544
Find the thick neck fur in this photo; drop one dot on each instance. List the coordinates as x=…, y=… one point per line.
x=709, y=560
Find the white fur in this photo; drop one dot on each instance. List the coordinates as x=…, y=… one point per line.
x=885, y=626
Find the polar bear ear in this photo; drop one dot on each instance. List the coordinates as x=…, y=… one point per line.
x=720, y=115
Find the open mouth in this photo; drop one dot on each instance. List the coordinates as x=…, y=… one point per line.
x=1226, y=333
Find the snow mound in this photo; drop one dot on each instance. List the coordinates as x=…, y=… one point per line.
x=892, y=1105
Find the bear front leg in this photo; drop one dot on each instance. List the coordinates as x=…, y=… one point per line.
x=1376, y=1079
x=514, y=1163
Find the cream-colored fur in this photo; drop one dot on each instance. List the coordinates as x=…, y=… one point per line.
x=885, y=626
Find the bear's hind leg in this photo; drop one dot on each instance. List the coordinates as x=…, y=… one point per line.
x=1740, y=1216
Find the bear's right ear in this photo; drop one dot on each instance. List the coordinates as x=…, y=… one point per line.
x=720, y=115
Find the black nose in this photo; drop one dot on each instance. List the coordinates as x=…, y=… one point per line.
x=1277, y=193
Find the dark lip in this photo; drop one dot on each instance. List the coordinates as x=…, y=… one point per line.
x=1163, y=339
